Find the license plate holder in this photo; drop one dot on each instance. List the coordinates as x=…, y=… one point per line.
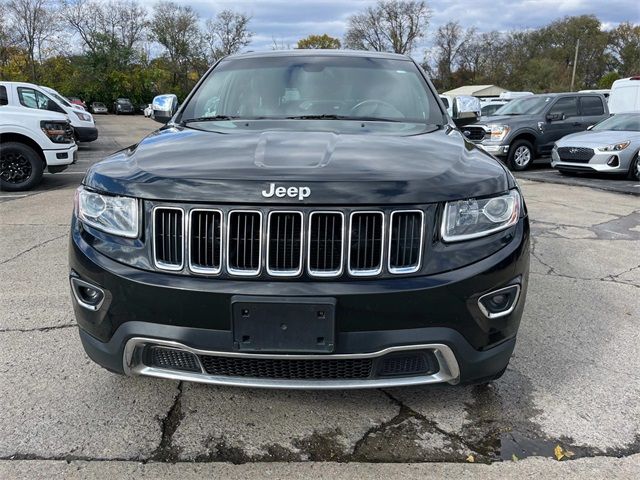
x=283, y=324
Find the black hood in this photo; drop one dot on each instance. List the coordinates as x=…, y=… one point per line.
x=183, y=164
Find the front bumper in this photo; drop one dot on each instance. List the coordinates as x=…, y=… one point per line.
x=437, y=314
x=62, y=156
x=597, y=164
x=86, y=134
x=497, y=150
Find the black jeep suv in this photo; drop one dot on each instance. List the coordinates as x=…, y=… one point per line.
x=528, y=127
x=306, y=219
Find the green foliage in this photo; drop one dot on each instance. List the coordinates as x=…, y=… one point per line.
x=607, y=80
x=319, y=41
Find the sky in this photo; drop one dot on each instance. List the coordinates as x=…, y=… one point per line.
x=287, y=21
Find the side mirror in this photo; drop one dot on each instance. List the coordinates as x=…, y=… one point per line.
x=164, y=107
x=466, y=109
x=554, y=117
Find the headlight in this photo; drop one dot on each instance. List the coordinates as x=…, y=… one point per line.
x=115, y=215
x=58, y=132
x=85, y=117
x=616, y=147
x=498, y=132
x=473, y=218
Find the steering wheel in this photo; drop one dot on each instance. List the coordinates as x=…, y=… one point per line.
x=374, y=105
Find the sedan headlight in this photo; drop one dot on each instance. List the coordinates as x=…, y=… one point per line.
x=111, y=214
x=473, y=218
x=85, y=117
x=498, y=132
x=616, y=147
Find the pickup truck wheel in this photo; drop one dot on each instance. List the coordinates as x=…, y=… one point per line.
x=20, y=167
x=520, y=155
x=634, y=168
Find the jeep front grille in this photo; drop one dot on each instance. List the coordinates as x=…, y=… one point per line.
x=365, y=243
x=168, y=238
x=405, y=242
x=288, y=243
x=284, y=244
x=244, y=242
x=325, y=243
x=205, y=242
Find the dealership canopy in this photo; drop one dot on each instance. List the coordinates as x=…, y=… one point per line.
x=477, y=91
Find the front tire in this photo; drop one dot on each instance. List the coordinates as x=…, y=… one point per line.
x=634, y=168
x=520, y=155
x=20, y=167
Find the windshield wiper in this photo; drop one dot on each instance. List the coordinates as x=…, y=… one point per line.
x=331, y=116
x=213, y=118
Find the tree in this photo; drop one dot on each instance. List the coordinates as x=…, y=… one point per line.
x=103, y=26
x=389, y=26
x=449, y=42
x=34, y=24
x=323, y=41
x=227, y=34
x=176, y=28
x=624, y=45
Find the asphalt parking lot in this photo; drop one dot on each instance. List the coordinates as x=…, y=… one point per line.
x=573, y=382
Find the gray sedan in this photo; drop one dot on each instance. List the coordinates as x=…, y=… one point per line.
x=611, y=146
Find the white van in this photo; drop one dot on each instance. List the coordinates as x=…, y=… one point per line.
x=35, y=134
x=82, y=121
x=625, y=95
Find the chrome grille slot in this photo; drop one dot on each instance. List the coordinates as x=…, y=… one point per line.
x=168, y=228
x=405, y=241
x=205, y=241
x=325, y=243
x=365, y=243
x=244, y=245
x=284, y=243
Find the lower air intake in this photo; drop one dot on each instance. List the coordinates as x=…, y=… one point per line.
x=299, y=369
x=171, y=358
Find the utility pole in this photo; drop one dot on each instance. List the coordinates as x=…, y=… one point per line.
x=575, y=62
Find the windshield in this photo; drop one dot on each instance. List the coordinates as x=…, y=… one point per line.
x=524, y=106
x=123, y=100
x=314, y=87
x=621, y=123
x=60, y=99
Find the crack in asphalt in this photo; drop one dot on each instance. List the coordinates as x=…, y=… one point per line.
x=38, y=329
x=33, y=248
x=166, y=451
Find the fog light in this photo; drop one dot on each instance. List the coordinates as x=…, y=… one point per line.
x=499, y=302
x=613, y=161
x=87, y=295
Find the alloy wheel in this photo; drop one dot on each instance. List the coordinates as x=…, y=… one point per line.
x=15, y=167
x=522, y=156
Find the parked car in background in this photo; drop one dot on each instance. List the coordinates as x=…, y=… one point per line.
x=508, y=96
x=625, y=95
x=123, y=105
x=605, y=92
x=98, y=107
x=35, y=134
x=489, y=107
x=611, y=146
x=528, y=127
x=148, y=111
x=84, y=127
x=78, y=102
x=447, y=101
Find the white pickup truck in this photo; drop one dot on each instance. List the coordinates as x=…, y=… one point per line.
x=35, y=134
